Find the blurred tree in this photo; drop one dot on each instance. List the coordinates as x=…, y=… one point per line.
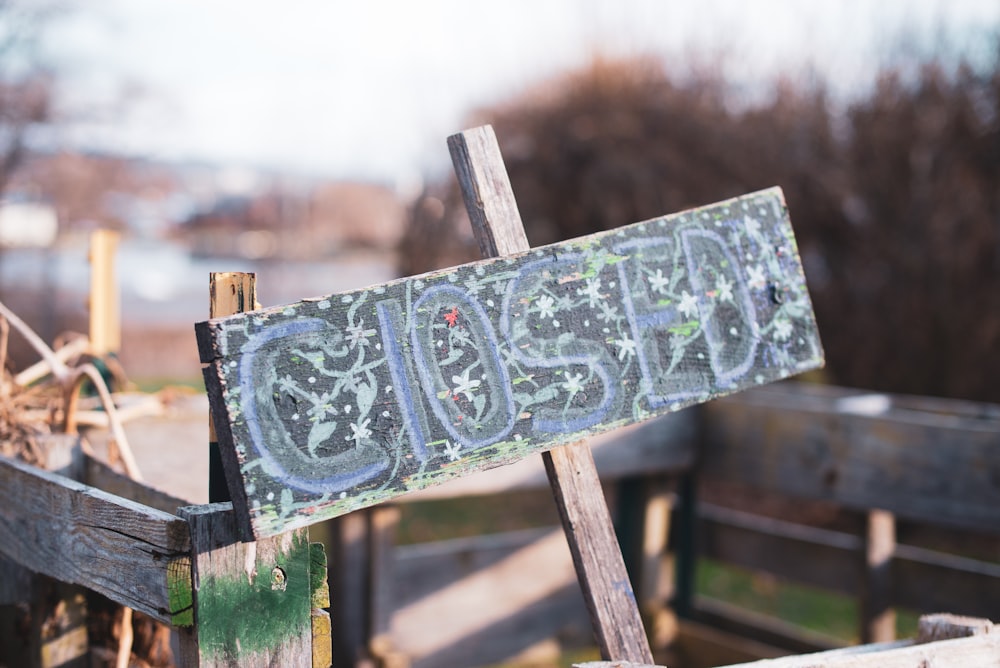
x=895, y=199
x=26, y=85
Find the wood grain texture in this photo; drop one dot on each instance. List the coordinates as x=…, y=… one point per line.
x=81, y=535
x=343, y=401
x=98, y=474
x=859, y=451
x=252, y=601
x=571, y=470
x=981, y=651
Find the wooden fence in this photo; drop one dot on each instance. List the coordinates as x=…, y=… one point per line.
x=933, y=464
x=911, y=484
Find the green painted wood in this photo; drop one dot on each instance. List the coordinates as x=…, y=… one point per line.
x=252, y=601
x=342, y=401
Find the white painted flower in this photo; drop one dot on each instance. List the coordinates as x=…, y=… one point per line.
x=626, y=346
x=545, y=305
x=452, y=450
x=572, y=384
x=752, y=224
x=608, y=312
x=360, y=431
x=658, y=282
x=592, y=291
x=465, y=385
x=782, y=329
x=755, y=277
x=357, y=334
x=688, y=305
x=724, y=288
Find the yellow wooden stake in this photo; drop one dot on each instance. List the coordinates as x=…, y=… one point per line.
x=105, y=297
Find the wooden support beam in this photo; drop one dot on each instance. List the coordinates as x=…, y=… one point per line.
x=489, y=199
x=132, y=554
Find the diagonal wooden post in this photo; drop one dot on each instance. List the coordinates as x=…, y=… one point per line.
x=600, y=568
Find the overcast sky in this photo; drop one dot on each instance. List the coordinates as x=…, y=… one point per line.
x=372, y=89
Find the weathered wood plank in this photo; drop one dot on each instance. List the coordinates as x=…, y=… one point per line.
x=132, y=554
x=979, y=651
x=862, y=454
x=663, y=446
x=340, y=402
x=252, y=601
x=571, y=470
x=98, y=474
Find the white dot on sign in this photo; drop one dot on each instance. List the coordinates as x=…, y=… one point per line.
x=343, y=495
x=378, y=346
x=759, y=379
x=312, y=379
x=385, y=413
x=388, y=388
x=733, y=331
x=606, y=330
x=555, y=323
x=295, y=416
x=270, y=496
x=489, y=302
x=586, y=323
x=440, y=343
x=611, y=284
x=347, y=408
x=323, y=305
x=233, y=364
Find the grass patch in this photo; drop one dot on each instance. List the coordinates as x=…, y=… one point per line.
x=151, y=385
x=815, y=609
x=445, y=519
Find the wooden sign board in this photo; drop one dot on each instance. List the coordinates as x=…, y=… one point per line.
x=343, y=401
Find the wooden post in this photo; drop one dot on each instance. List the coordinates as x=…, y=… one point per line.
x=105, y=299
x=643, y=513
x=878, y=619
x=252, y=601
x=229, y=293
x=600, y=568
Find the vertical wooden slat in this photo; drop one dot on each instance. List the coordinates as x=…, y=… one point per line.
x=229, y=293
x=489, y=199
x=349, y=588
x=878, y=619
x=382, y=527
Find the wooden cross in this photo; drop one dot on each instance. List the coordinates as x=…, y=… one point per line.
x=343, y=401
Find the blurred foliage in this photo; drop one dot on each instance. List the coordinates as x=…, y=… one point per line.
x=895, y=198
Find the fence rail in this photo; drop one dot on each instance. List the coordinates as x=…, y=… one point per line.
x=934, y=463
